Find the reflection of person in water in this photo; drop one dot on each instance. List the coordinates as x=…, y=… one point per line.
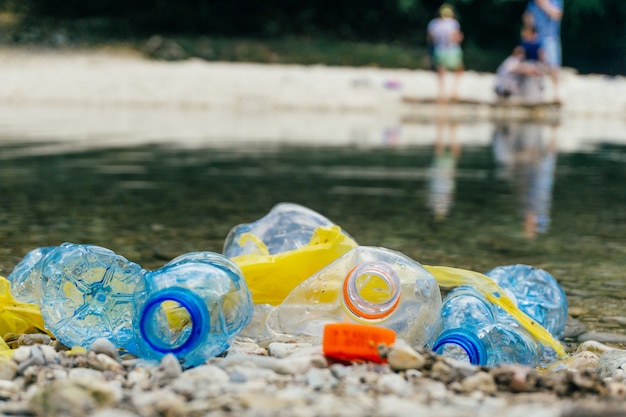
x=530, y=162
x=442, y=170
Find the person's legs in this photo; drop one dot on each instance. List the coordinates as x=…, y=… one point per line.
x=454, y=92
x=441, y=81
x=552, y=48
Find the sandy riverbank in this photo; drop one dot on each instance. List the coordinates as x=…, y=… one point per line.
x=120, y=96
x=126, y=78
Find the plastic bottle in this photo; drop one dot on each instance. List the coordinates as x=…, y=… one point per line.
x=471, y=331
x=367, y=285
x=86, y=292
x=287, y=226
x=192, y=307
x=25, y=275
x=536, y=292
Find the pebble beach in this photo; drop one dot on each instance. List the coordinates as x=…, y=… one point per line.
x=45, y=378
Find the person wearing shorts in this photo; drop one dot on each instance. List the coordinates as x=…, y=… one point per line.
x=444, y=32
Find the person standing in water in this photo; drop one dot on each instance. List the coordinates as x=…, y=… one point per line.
x=545, y=16
x=444, y=32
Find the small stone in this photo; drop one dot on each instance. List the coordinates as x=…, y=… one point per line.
x=392, y=384
x=480, y=381
x=583, y=360
x=282, y=350
x=602, y=337
x=8, y=388
x=169, y=367
x=84, y=374
x=108, y=363
x=106, y=347
x=616, y=389
x=33, y=339
x=321, y=379
x=245, y=346
x=70, y=398
x=612, y=364
x=159, y=403
x=401, y=356
x=114, y=412
x=515, y=378
x=21, y=354
x=8, y=370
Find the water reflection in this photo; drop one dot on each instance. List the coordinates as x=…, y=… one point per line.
x=527, y=158
x=442, y=173
x=152, y=184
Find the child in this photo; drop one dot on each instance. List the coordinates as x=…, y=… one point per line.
x=445, y=35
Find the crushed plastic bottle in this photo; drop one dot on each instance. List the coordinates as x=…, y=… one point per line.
x=86, y=292
x=25, y=275
x=367, y=285
x=471, y=331
x=192, y=307
x=536, y=292
x=286, y=227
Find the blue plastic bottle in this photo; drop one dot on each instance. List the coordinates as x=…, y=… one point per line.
x=470, y=331
x=26, y=274
x=537, y=293
x=86, y=292
x=366, y=285
x=287, y=226
x=192, y=307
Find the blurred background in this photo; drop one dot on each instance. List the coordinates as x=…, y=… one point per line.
x=385, y=33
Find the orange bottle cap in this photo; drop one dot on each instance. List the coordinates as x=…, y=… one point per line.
x=351, y=341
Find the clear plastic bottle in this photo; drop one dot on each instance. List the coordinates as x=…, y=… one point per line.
x=536, y=292
x=287, y=226
x=25, y=275
x=86, y=292
x=367, y=285
x=471, y=331
x=192, y=307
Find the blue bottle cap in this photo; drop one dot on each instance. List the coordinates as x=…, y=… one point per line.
x=466, y=340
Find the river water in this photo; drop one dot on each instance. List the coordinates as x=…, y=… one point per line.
x=151, y=184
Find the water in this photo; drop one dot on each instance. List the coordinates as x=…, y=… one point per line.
x=151, y=184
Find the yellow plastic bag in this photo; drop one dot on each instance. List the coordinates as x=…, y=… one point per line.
x=271, y=278
x=451, y=277
x=16, y=317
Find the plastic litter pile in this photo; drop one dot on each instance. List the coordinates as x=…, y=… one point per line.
x=292, y=275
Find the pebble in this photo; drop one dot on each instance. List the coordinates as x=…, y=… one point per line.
x=106, y=347
x=8, y=370
x=612, y=364
x=602, y=337
x=33, y=339
x=401, y=356
x=298, y=382
x=480, y=381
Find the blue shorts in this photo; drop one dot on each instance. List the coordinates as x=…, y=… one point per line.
x=552, y=50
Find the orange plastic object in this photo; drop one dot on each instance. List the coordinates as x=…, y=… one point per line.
x=350, y=341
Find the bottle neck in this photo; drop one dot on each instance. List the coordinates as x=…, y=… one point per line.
x=371, y=291
x=466, y=340
x=174, y=320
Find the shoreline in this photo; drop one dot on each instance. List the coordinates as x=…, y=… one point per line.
x=123, y=77
x=118, y=97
